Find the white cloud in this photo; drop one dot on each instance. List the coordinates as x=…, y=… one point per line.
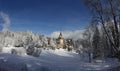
x=77, y=34
x=6, y=20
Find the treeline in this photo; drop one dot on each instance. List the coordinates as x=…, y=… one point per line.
x=21, y=39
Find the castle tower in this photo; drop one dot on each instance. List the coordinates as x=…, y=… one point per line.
x=60, y=41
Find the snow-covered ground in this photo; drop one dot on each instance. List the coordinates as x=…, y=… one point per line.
x=55, y=60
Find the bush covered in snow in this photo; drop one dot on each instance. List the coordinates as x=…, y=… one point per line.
x=34, y=51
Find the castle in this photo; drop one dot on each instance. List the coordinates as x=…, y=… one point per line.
x=64, y=43
x=60, y=42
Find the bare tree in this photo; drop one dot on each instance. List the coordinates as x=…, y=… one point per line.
x=87, y=42
x=107, y=12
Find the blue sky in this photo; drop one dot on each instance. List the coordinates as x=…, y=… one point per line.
x=45, y=16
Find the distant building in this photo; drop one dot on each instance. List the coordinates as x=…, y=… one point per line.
x=60, y=41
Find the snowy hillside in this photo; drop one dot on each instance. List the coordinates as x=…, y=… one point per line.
x=54, y=60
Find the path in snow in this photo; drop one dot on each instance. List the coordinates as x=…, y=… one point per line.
x=61, y=60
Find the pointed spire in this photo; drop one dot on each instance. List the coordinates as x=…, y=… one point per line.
x=60, y=36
